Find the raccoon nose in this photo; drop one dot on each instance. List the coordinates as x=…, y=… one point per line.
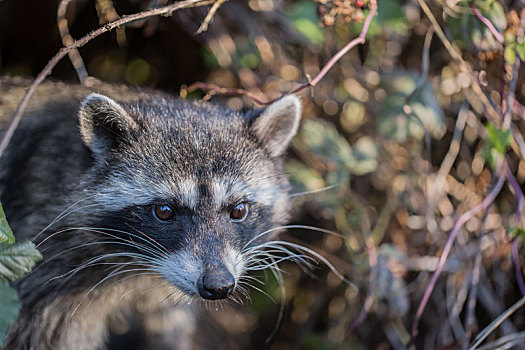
x=216, y=285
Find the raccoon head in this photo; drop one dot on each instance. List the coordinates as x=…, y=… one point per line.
x=192, y=186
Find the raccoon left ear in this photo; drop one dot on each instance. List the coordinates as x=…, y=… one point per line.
x=278, y=124
x=104, y=123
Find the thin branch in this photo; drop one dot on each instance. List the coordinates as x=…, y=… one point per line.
x=311, y=82
x=487, y=23
x=507, y=116
x=494, y=324
x=517, y=268
x=216, y=89
x=161, y=11
x=209, y=16
x=448, y=162
x=107, y=13
x=492, y=111
x=519, y=210
x=67, y=39
x=359, y=40
x=470, y=321
x=448, y=246
x=506, y=342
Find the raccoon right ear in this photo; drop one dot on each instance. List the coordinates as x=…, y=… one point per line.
x=278, y=123
x=104, y=123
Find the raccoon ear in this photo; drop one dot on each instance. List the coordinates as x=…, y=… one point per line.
x=104, y=123
x=278, y=124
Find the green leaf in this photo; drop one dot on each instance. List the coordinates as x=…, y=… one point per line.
x=491, y=155
x=520, y=49
x=510, y=54
x=518, y=232
x=9, y=306
x=16, y=260
x=6, y=235
x=499, y=139
x=322, y=141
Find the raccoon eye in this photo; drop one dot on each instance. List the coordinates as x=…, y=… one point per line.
x=163, y=212
x=239, y=213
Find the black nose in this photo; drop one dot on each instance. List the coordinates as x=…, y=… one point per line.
x=214, y=285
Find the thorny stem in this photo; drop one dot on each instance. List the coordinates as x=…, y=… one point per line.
x=448, y=246
x=163, y=11
x=486, y=22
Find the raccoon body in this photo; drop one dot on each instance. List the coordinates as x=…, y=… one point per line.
x=125, y=190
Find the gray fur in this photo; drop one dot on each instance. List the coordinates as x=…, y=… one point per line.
x=80, y=178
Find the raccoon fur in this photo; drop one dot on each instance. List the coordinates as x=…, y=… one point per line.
x=134, y=197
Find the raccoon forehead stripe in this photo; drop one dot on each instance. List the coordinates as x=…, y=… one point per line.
x=224, y=189
x=187, y=193
x=141, y=191
x=258, y=191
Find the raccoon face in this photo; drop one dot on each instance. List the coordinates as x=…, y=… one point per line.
x=191, y=185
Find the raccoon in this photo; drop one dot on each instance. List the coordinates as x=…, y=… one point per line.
x=135, y=197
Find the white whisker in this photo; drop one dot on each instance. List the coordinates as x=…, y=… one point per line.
x=322, y=189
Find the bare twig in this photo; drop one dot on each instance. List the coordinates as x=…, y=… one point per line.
x=486, y=22
x=359, y=40
x=447, y=163
x=507, y=116
x=506, y=342
x=517, y=192
x=107, y=13
x=215, y=89
x=494, y=324
x=448, y=246
x=492, y=110
x=311, y=82
x=209, y=16
x=515, y=242
x=517, y=268
x=67, y=39
x=161, y=11
x=470, y=321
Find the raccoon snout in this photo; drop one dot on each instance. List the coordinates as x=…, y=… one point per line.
x=216, y=284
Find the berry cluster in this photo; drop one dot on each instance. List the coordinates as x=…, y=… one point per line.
x=348, y=10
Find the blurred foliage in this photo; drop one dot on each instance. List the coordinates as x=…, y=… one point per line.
x=303, y=15
x=468, y=31
x=382, y=148
x=16, y=260
x=409, y=110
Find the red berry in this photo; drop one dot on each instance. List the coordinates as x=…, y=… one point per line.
x=359, y=3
